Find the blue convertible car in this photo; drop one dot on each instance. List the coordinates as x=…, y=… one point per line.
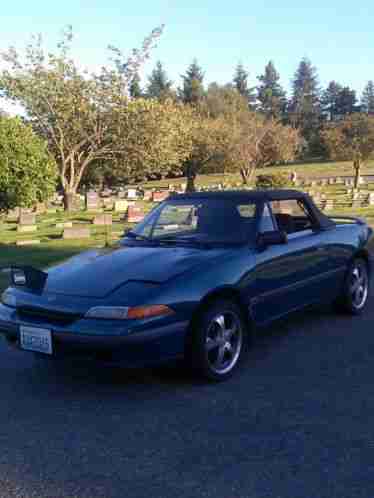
x=192, y=280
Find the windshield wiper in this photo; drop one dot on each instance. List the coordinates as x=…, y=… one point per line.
x=182, y=241
x=137, y=236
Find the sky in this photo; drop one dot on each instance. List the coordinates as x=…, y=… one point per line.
x=337, y=35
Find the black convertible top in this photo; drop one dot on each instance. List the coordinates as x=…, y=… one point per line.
x=261, y=196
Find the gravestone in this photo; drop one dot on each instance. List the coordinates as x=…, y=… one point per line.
x=324, y=182
x=147, y=195
x=26, y=228
x=92, y=201
x=14, y=214
x=108, y=202
x=26, y=218
x=371, y=199
x=329, y=204
x=103, y=219
x=132, y=193
x=121, y=206
x=65, y=224
x=40, y=208
x=160, y=195
x=134, y=214
x=76, y=233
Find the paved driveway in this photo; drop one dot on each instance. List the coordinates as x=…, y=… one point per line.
x=297, y=421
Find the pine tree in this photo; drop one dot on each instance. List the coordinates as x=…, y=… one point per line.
x=330, y=100
x=305, y=111
x=346, y=101
x=367, y=99
x=135, y=88
x=159, y=86
x=270, y=93
x=193, y=88
x=240, y=81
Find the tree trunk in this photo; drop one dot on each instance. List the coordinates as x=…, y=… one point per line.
x=68, y=201
x=357, y=168
x=244, y=176
x=191, y=183
x=191, y=177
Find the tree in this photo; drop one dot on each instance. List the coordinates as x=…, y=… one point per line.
x=78, y=114
x=223, y=101
x=210, y=139
x=346, y=101
x=27, y=171
x=193, y=88
x=330, y=100
x=257, y=142
x=270, y=93
x=135, y=89
x=241, y=84
x=368, y=98
x=351, y=139
x=156, y=139
x=304, y=108
x=159, y=86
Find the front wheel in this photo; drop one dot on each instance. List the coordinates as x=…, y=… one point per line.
x=218, y=341
x=354, y=297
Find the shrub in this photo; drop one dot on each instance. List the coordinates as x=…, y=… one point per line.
x=277, y=180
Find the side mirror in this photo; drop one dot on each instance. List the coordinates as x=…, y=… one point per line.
x=275, y=237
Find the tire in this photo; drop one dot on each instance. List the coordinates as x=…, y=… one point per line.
x=218, y=341
x=354, y=297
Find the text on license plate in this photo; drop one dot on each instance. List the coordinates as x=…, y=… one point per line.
x=36, y=339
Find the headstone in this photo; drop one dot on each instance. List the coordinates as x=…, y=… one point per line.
x=103, y=219
x=147, y=195
x=371, y=199
x=14, y=213
x=329, y=204
x=356, y=203
x=108, y=202
x=40, y=208
x=313, y=183
x=92, y=201
x=135, y=214
x=65, y=224
x=331, y=181
x=121, y=206
x=324, y=182
x=361, y=180
x=160, y=196
x=26, y=218
x=132, y=193
x=76, y=233
x=27, y=242
x=26, y=228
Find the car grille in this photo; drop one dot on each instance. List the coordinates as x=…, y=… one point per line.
x=50, y=316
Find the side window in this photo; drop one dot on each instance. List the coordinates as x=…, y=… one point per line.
x=292, y=215
x=266, y=222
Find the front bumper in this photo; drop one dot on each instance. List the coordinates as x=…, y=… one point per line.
x=149, y=342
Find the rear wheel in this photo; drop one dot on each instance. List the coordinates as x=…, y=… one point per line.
x=355, y=293
x=218, y=341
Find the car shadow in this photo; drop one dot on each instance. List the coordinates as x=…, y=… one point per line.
x=175, y=375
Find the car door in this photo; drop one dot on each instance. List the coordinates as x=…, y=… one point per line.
x=291, y=275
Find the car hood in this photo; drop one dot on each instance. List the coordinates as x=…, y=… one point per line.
x=98, y=273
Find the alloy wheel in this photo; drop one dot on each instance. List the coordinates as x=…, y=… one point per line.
x=224, y=341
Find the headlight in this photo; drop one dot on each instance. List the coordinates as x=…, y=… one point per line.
x=126, y=313
x=8, y=299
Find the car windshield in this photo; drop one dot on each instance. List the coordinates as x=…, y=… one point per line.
x=201, y=221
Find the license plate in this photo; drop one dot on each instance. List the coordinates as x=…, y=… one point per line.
x=36, y=339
